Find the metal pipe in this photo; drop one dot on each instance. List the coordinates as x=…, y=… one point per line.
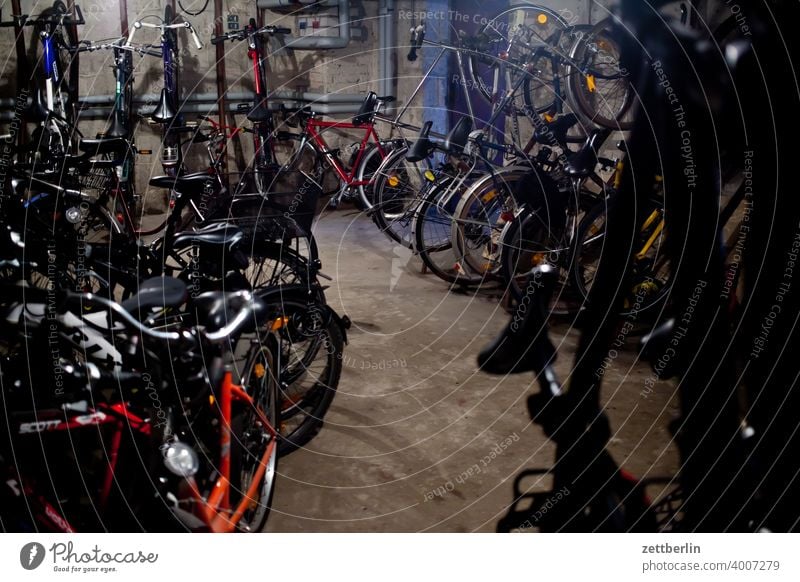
x=316, y=42
x=206, y=108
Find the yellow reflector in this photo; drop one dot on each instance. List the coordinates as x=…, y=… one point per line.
x=590, y=84
x=393, y=181
x=259, y=371
x=430, y=176
x=489, y=196
x=548, y=118
x=542, y=19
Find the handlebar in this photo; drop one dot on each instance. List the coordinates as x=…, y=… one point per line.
x=79, y=300
x=163, y=27
x=92, y=46
x=417, y=37
x=24, y=20
x=243, y=33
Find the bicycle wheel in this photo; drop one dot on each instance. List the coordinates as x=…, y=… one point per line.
x=252, y=441
x=301, y=171
x=525, y=33
x=66, y=83
x=531, y=239
x=398, y=187
x=598, y=87
x=311, y=351
x=371, y=161
x=480, y=217
x=432, y=233
x=651, y=277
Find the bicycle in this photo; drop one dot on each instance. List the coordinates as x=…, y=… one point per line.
x=264, y=163
x=574, y=64
x=167, y=112
x=228, y=488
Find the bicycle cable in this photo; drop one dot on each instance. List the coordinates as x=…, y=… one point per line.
x=198, y=13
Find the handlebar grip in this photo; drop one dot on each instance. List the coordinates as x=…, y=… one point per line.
x=417, y=36
x=131, y=33
x=282, y=30
x=219, y=39
x=197, y=42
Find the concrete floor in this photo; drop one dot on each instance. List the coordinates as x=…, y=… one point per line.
x=414, y=416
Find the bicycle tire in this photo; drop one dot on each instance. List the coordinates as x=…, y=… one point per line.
x=261, y=383
x=483, y=210
x=398, y=186
x=371, y=162
x=592, y=94
x=650, y=280
x=496, y=29
x=311, y=349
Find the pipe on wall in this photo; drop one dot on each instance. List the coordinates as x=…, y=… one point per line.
x=387, y=65
x=149, y=99
x=208, y=108
x=307, y=43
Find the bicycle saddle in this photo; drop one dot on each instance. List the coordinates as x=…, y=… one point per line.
x=217, y=234
x=157, y=292
x=583, y=162
x=103, y=145
x=456, y=140
x=216, y=309
x=367, y=110
x=117, y=128
x=422, y=147
x=164, y=111
x=259, y=113
x=187, y=184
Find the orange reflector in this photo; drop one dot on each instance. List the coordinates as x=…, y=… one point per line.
x=259, y=370
x=590, y=84
x=211, y=400
x=279, y=323
x=145, y=152
x=548, y=118
x=393, y=181
x=542, y=19
x=489, y=196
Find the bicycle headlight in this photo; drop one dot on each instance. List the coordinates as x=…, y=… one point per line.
x=181, y=460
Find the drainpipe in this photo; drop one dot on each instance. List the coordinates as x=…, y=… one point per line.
x=306, y=43
x=387, y=65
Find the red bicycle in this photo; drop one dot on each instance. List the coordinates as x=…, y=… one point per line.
x=312, y=156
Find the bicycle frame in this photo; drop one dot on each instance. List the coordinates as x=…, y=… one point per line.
x=316, y=137
x=216, y=510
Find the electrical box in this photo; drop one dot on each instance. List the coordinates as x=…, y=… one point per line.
x=233, y=22
x=322, y=23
